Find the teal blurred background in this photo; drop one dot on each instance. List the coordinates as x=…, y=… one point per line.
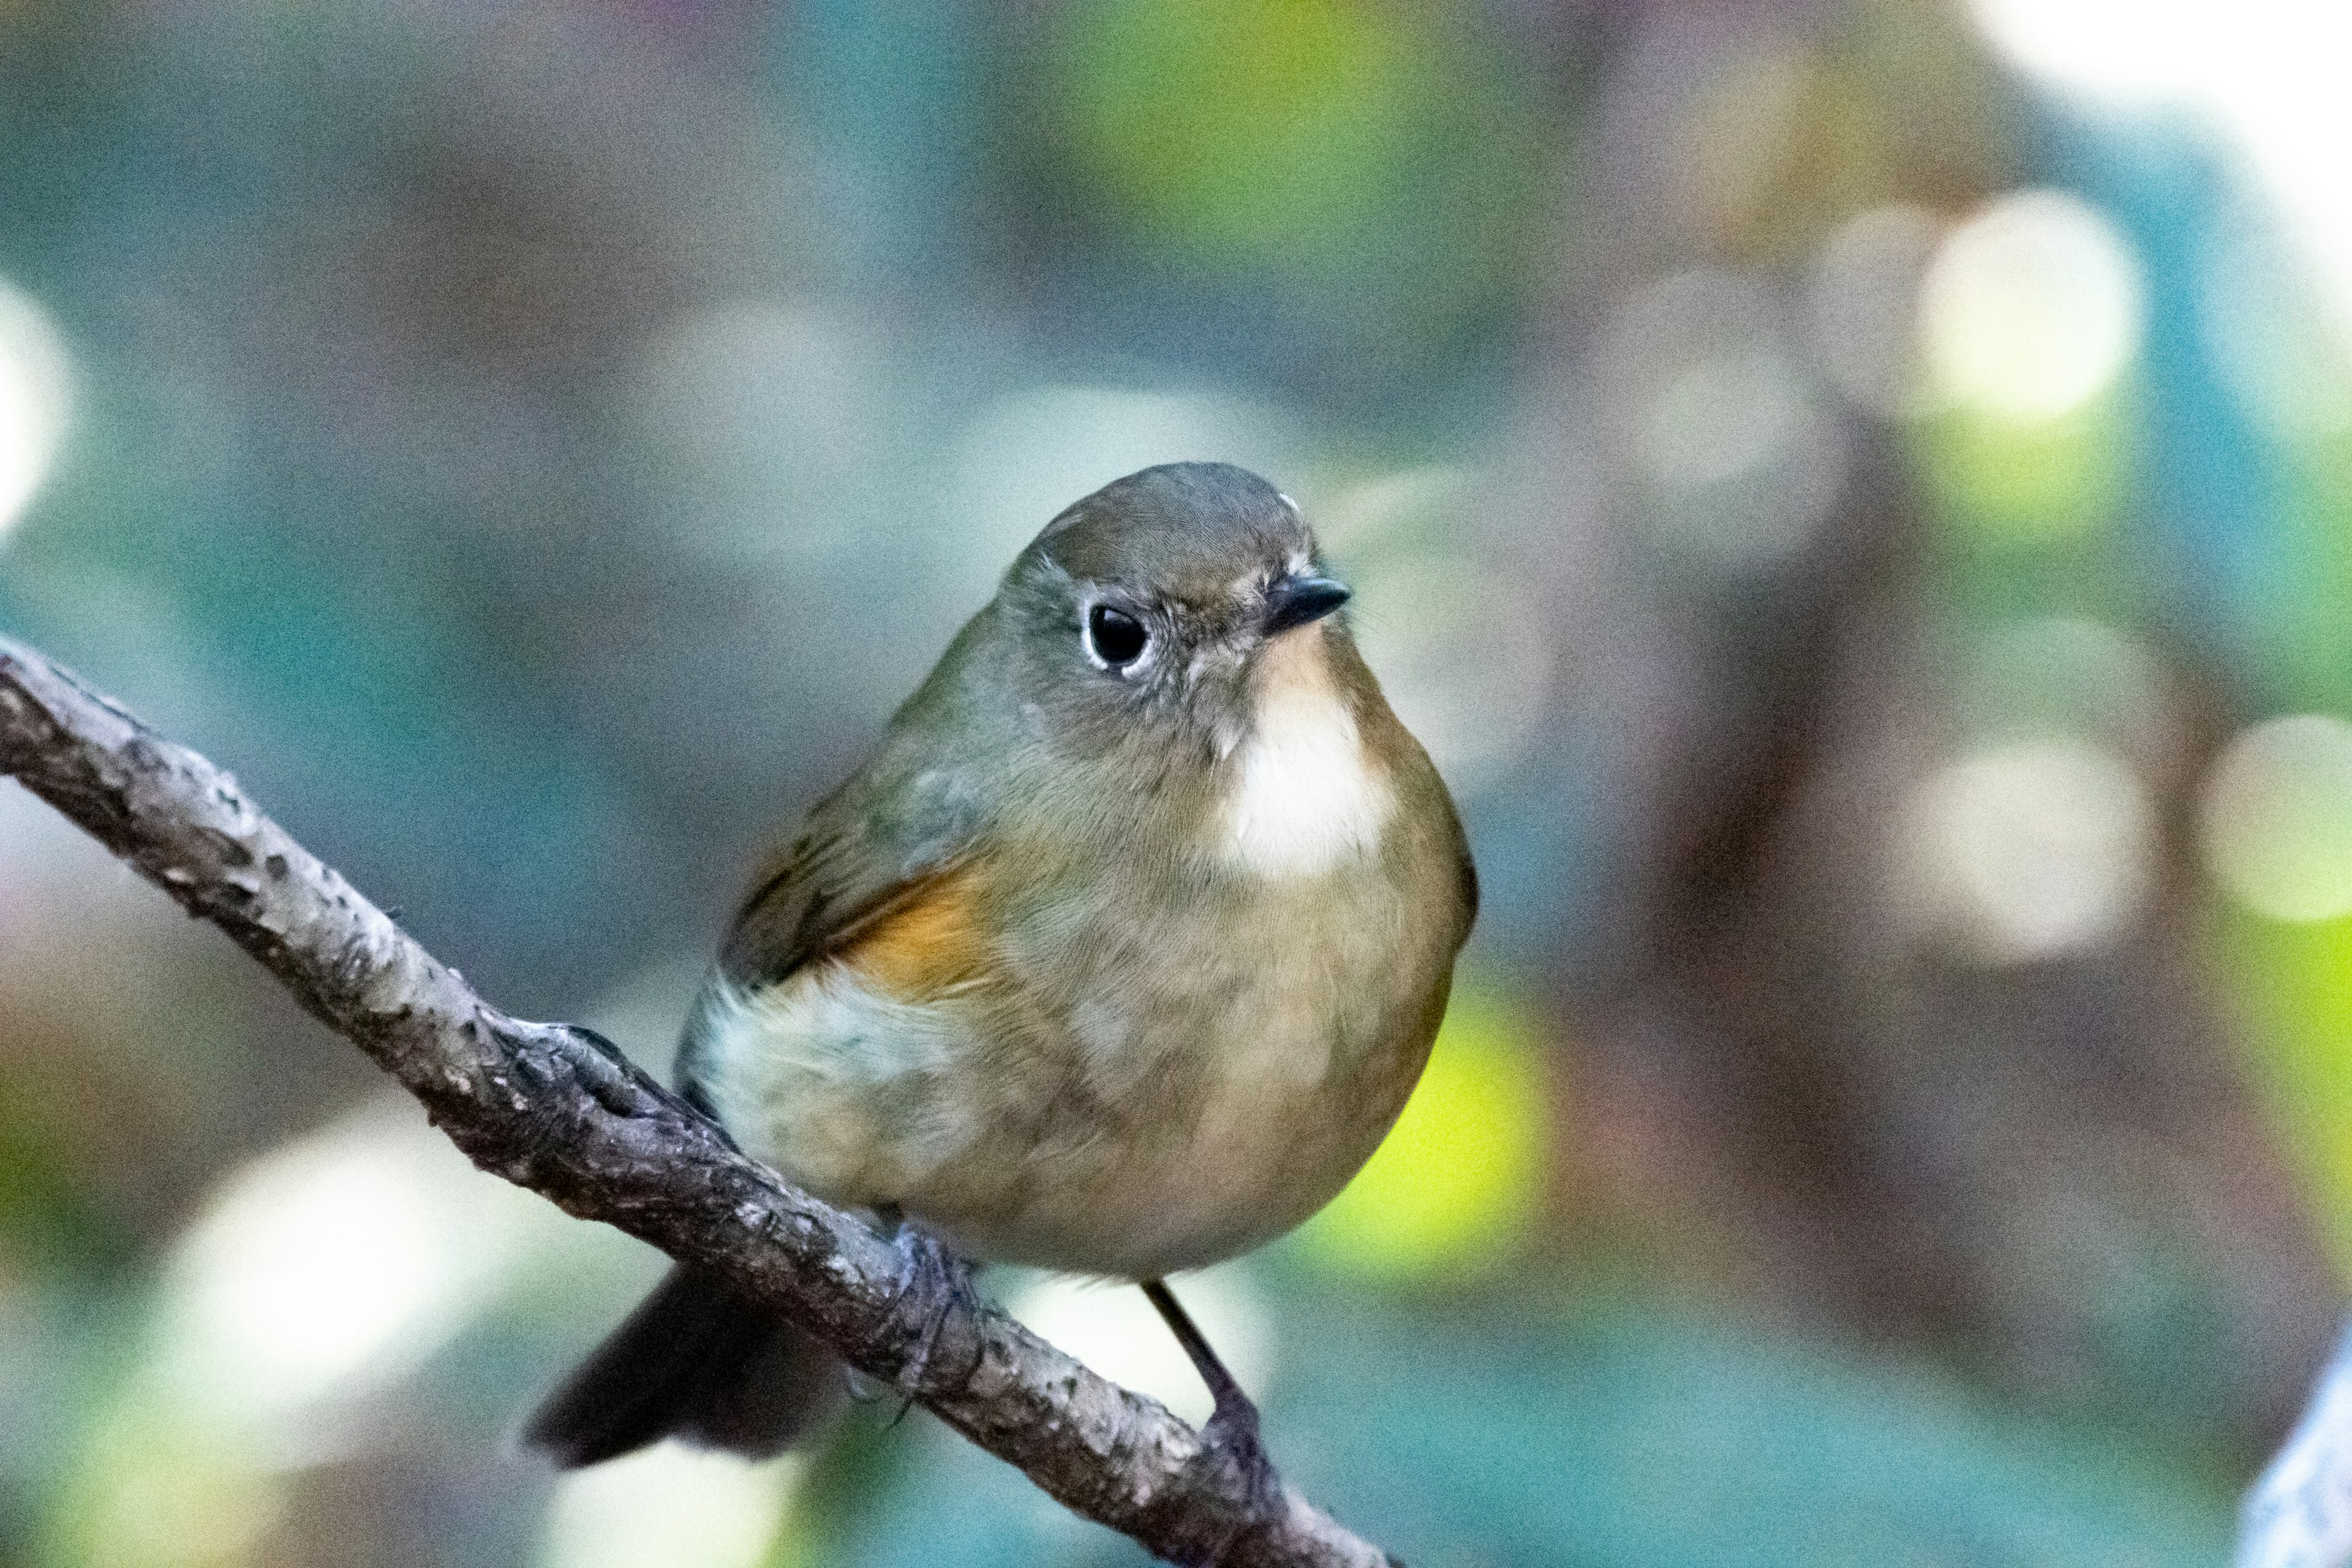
x=1856, y=497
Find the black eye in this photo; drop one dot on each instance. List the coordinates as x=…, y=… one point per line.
x=1118, y=638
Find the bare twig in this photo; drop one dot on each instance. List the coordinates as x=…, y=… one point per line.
x=558, y=1111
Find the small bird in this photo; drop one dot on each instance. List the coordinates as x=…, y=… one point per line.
x=1119, y=956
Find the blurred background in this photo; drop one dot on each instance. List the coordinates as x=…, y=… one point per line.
x=1857, y=497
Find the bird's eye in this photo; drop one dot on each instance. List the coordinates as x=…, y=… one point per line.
x=1118, y=639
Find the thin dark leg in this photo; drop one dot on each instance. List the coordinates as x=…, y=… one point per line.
x=1222, y=1387
x=1231, y=1430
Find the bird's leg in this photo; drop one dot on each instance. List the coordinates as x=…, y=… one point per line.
x=1232, y=1432
x=933, y=1280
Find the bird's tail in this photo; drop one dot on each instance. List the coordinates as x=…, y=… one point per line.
x=694, y=1361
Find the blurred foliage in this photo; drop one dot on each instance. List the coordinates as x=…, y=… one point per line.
x=1860, y=513
x=1354, y=148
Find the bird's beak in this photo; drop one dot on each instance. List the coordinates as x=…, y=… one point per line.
x=1295, y=600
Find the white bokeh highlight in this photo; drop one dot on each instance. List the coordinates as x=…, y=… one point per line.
x=2276, y=818
x=2027, y=851
x=2269, y=72
x=35, y=399
x=2030, y=309
x=667, y=1505
x=325, y=1271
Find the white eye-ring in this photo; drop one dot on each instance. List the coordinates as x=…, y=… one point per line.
x=1115, y=638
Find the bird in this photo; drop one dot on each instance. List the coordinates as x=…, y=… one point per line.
x=1117, y=957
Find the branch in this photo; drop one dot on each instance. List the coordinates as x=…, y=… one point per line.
x=558, y=1110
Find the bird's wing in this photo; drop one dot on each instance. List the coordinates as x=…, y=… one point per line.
x=856, y=885
x=811, y=896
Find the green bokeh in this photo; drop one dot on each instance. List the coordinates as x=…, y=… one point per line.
x=2005, y=482
x=1325, y=144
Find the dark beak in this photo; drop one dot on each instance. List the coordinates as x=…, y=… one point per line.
x=1295, y=600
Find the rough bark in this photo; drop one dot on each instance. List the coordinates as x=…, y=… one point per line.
x=561, y=1112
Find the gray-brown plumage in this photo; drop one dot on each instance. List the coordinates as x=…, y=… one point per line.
x=1118, y=957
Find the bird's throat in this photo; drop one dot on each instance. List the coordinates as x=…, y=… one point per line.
x=1302, y=793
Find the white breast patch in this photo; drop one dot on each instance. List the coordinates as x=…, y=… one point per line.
x=1305, y=795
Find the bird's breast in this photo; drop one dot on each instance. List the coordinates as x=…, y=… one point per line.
x=1140, y=1048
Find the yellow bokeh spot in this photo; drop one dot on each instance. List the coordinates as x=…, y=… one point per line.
x=1457, y=1181
x=161, y=1492
x=2294, y=983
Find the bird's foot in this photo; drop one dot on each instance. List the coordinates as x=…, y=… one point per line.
x=1232, y=1435
x=933, y=1282
x=1237, y=1456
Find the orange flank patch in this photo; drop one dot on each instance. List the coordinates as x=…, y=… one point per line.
x=925, y=944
